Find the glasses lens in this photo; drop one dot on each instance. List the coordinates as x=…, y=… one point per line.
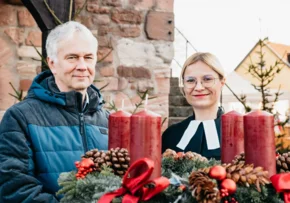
x=189, y=82
x=208, y=81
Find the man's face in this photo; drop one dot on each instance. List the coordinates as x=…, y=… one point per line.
x=75, y=65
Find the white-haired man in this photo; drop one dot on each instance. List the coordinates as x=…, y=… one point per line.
x=60, y=119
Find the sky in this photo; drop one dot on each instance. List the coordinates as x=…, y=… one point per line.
x=228, y=28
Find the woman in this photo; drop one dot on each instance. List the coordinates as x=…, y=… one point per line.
x=201, y=82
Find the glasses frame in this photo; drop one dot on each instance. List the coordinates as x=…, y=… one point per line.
x=214, y=82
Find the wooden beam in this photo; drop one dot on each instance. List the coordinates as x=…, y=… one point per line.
x=45, y=13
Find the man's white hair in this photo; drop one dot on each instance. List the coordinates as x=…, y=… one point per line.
x=64, y=32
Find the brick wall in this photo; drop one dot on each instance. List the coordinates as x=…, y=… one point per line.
x=139, y=33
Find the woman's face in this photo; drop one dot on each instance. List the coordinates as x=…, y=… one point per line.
x=202, y=85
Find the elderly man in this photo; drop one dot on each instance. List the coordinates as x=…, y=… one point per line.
x=60, y=119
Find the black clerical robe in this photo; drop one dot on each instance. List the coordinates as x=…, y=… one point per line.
x=173, y=134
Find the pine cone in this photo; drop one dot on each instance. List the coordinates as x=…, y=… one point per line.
x=244, y=174
x=119, y=160
x=203, y=188
x=247, y=175
x=239, y=159
x=169, y=153
x=283, y=163
x=194, y=156
x=98, y=157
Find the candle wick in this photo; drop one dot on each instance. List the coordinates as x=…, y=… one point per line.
x=122, y=107
x=146, y=102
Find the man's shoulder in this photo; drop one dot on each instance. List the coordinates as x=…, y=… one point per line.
x=25, y=105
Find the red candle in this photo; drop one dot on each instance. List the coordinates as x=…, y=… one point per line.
x=146, y=139
x=232, y=136
x=260, y=140
x=119, y=130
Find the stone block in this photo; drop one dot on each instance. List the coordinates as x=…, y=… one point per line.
x=115, y=3
x=8, y=15
x=163, y=85
x=126, y=16
x=106, y=70
x=95, y=8
x=25, y=84
x=107, y=83
x=27, y=70
x=175, y=91
x=180, y=111
x=7, y=75
x=101, y=19
x=165, y=51
x=136, y=72
x=120, y=98
x=174, y=82
x=35, y=37
x=103, y=30
x=25, y=18
x=136, y=54
x=104, y=41
x=123, y=83
x=142, y=4
x=15, y=34
x=105, y=54
x=160, y=26
x=162, y=72
x=164, y=5
x=178, y=101
x=126, y=31
x=143, y=85
x=5, y=53
x=28, y=52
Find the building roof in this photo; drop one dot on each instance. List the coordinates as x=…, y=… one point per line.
x=280, y=50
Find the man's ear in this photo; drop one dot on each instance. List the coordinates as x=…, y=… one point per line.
x=51, y=65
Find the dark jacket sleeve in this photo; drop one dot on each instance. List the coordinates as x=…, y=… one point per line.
x=166, y=139
x=17, y=181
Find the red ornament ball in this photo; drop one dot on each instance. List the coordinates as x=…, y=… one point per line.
x=218, y=172
x=229, y=185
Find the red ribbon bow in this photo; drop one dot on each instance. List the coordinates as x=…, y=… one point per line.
x=281, y=183
x=133, y=187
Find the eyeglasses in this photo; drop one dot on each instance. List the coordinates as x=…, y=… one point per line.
x=206, y=81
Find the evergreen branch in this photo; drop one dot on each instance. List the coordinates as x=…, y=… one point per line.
x=163, y=121
x=243, y=102
x=104, y=57
x=34, y=59
x=70, y=9
x=52, y=13
x=142, y=96
x=41, y=56
x=104, y=86
x=80, y=10
x=112, y=106
x=19, y=94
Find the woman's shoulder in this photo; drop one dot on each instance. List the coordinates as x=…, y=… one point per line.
x=178, y=126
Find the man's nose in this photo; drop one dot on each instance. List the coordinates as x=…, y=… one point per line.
x=81, y=65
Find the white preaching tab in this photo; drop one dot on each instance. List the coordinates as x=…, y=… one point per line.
x=211, y=135
x=188, y=134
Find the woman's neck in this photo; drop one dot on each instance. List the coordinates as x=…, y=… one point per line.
x=206, y=113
